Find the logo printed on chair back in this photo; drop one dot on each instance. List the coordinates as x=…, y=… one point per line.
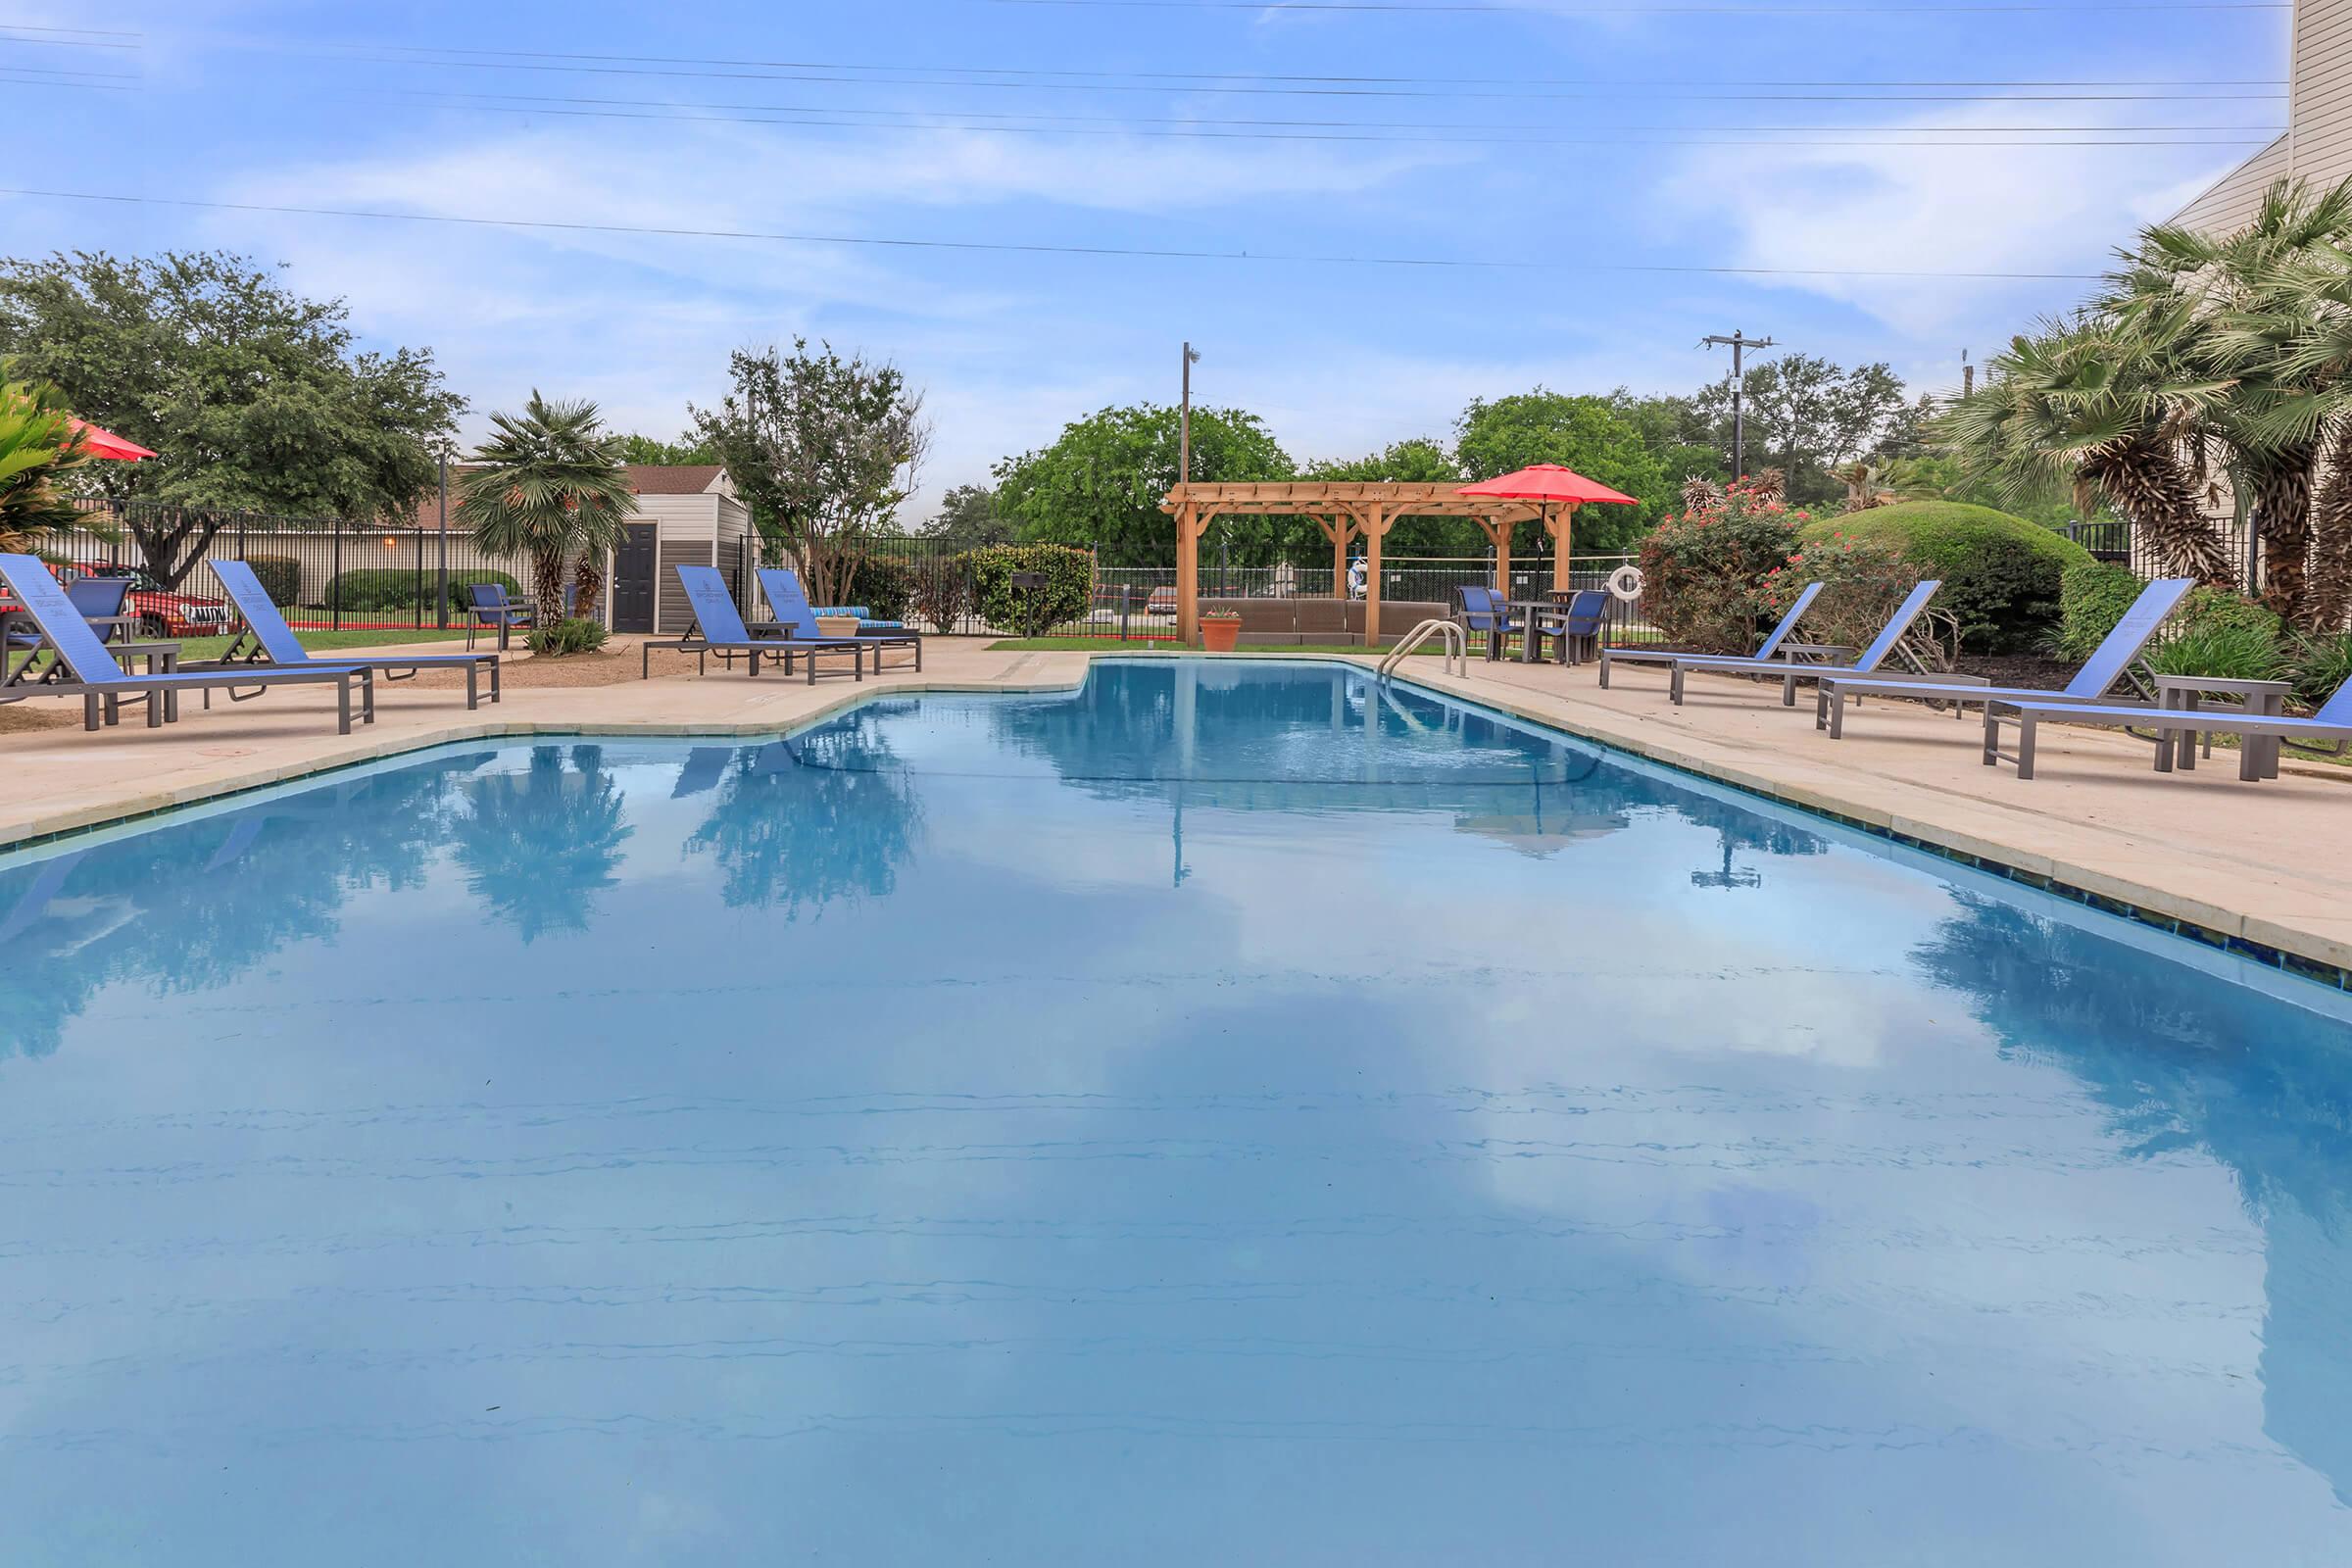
x=261, y=619
x=715, y=609
x=71, y=635
x=2130, y=634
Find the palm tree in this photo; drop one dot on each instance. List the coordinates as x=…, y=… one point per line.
x=38, y=445
x=551, y=486
x=2228, y=308
x=2081, y=405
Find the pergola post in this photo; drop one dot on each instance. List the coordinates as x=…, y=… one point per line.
x=1561, y=527
x=1339, y=528
x=1498, y=534
x=1376, y=526
x=1188, y=572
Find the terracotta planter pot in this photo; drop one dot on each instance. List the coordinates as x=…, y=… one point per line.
x=1219, y=636
x=837, y=625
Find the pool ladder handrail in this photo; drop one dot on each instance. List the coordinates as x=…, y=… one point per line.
x=1457, y=645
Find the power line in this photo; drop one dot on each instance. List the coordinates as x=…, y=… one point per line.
x=1040, y=248
x=531, y=100
x=1514, y=82
x=751, y=72
x=2256, y=139
x=1409, y=7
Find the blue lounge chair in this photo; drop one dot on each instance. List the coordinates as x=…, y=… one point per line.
x=487, y=604
x=790, y=603
x=1870, y=658
x=2329, y=729
x=85, y=667
x=1773, y=646
x=718, y=628
x=267, y=636
x=2093, y=684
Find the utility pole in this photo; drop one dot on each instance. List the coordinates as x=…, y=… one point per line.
x=1184, y=429
x=1968, y=374
x=442, y=574
x=1738, y=342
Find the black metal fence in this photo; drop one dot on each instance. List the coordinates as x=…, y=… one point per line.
x=1138, y=604
x=2124, y=544
x=325, y=573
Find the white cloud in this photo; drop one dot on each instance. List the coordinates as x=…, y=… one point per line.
x=2047, y=209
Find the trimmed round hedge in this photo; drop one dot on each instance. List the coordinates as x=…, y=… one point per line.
x=2003, y=575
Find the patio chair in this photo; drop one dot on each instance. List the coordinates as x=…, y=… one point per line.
x=790, y=603
x=1483, y=609
x=487, y=604
x=85, y=667
x=2093, y=684
x=1586, y=614
x=2329, y=729
x=720, y=629
x=1774, y=644
x=267, y=636
x=1882, y=645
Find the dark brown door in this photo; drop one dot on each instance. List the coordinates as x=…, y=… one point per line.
x=633, y=578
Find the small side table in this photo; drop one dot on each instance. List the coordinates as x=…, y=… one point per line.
x=2260, y=699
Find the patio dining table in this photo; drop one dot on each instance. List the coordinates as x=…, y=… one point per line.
x=1534, y=617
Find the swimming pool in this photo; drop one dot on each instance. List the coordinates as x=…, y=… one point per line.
x=1232, y=1112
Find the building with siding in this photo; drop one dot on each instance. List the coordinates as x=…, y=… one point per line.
x=2317, y=143
x=686, y=515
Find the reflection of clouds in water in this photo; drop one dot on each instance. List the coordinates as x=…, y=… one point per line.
x=1454, y=1166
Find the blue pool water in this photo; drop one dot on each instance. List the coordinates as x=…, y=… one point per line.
x=1227, y=1114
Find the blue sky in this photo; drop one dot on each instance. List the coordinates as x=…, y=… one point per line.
x=1534, y=133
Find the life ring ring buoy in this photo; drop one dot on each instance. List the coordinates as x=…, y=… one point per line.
x=1626, y=583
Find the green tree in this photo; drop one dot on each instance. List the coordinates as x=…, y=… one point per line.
x=824, y=448
x=690, y=450
x=1584, y=433
x=1417, y=460
x=1806, y=416
x=1102, y=479
x=2076, y=406
x=967, y=518
x=1678, y=434
x=2227, y=308
x=250, y=395
x=548, y=485
x=38, y=448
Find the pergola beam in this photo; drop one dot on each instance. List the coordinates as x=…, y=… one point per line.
x=1369, y=507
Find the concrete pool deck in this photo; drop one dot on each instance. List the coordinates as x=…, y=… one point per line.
x=2259, y=862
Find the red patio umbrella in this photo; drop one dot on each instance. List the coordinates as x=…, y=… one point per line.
x=1546, y=484
x=106, y=444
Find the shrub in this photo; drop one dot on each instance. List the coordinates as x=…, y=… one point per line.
x=372, y=588
x=1702, y=573
x=2227, y=650
x=2218, y=608
x=2092, y=599
x=1862, y=584
x=558, y=639
x=883, y=585
x=1069, y=585
x=943, y=588
x=2320, y=665
x=280, y=578
x=2002, y=576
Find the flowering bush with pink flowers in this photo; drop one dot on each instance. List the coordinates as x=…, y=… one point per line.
x=1703, y=573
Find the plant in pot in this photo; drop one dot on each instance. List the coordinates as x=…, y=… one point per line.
x=1220, y=629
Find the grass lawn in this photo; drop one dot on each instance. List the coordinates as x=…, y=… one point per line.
x=192, y=649
x=195, y=648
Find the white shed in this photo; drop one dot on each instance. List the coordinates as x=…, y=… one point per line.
x=686, y=515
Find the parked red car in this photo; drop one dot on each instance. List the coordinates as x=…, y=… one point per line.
x=164, y=613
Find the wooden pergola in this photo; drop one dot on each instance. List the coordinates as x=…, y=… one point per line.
x=1345, y=512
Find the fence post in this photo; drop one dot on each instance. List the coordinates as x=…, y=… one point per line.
x=334, y=594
